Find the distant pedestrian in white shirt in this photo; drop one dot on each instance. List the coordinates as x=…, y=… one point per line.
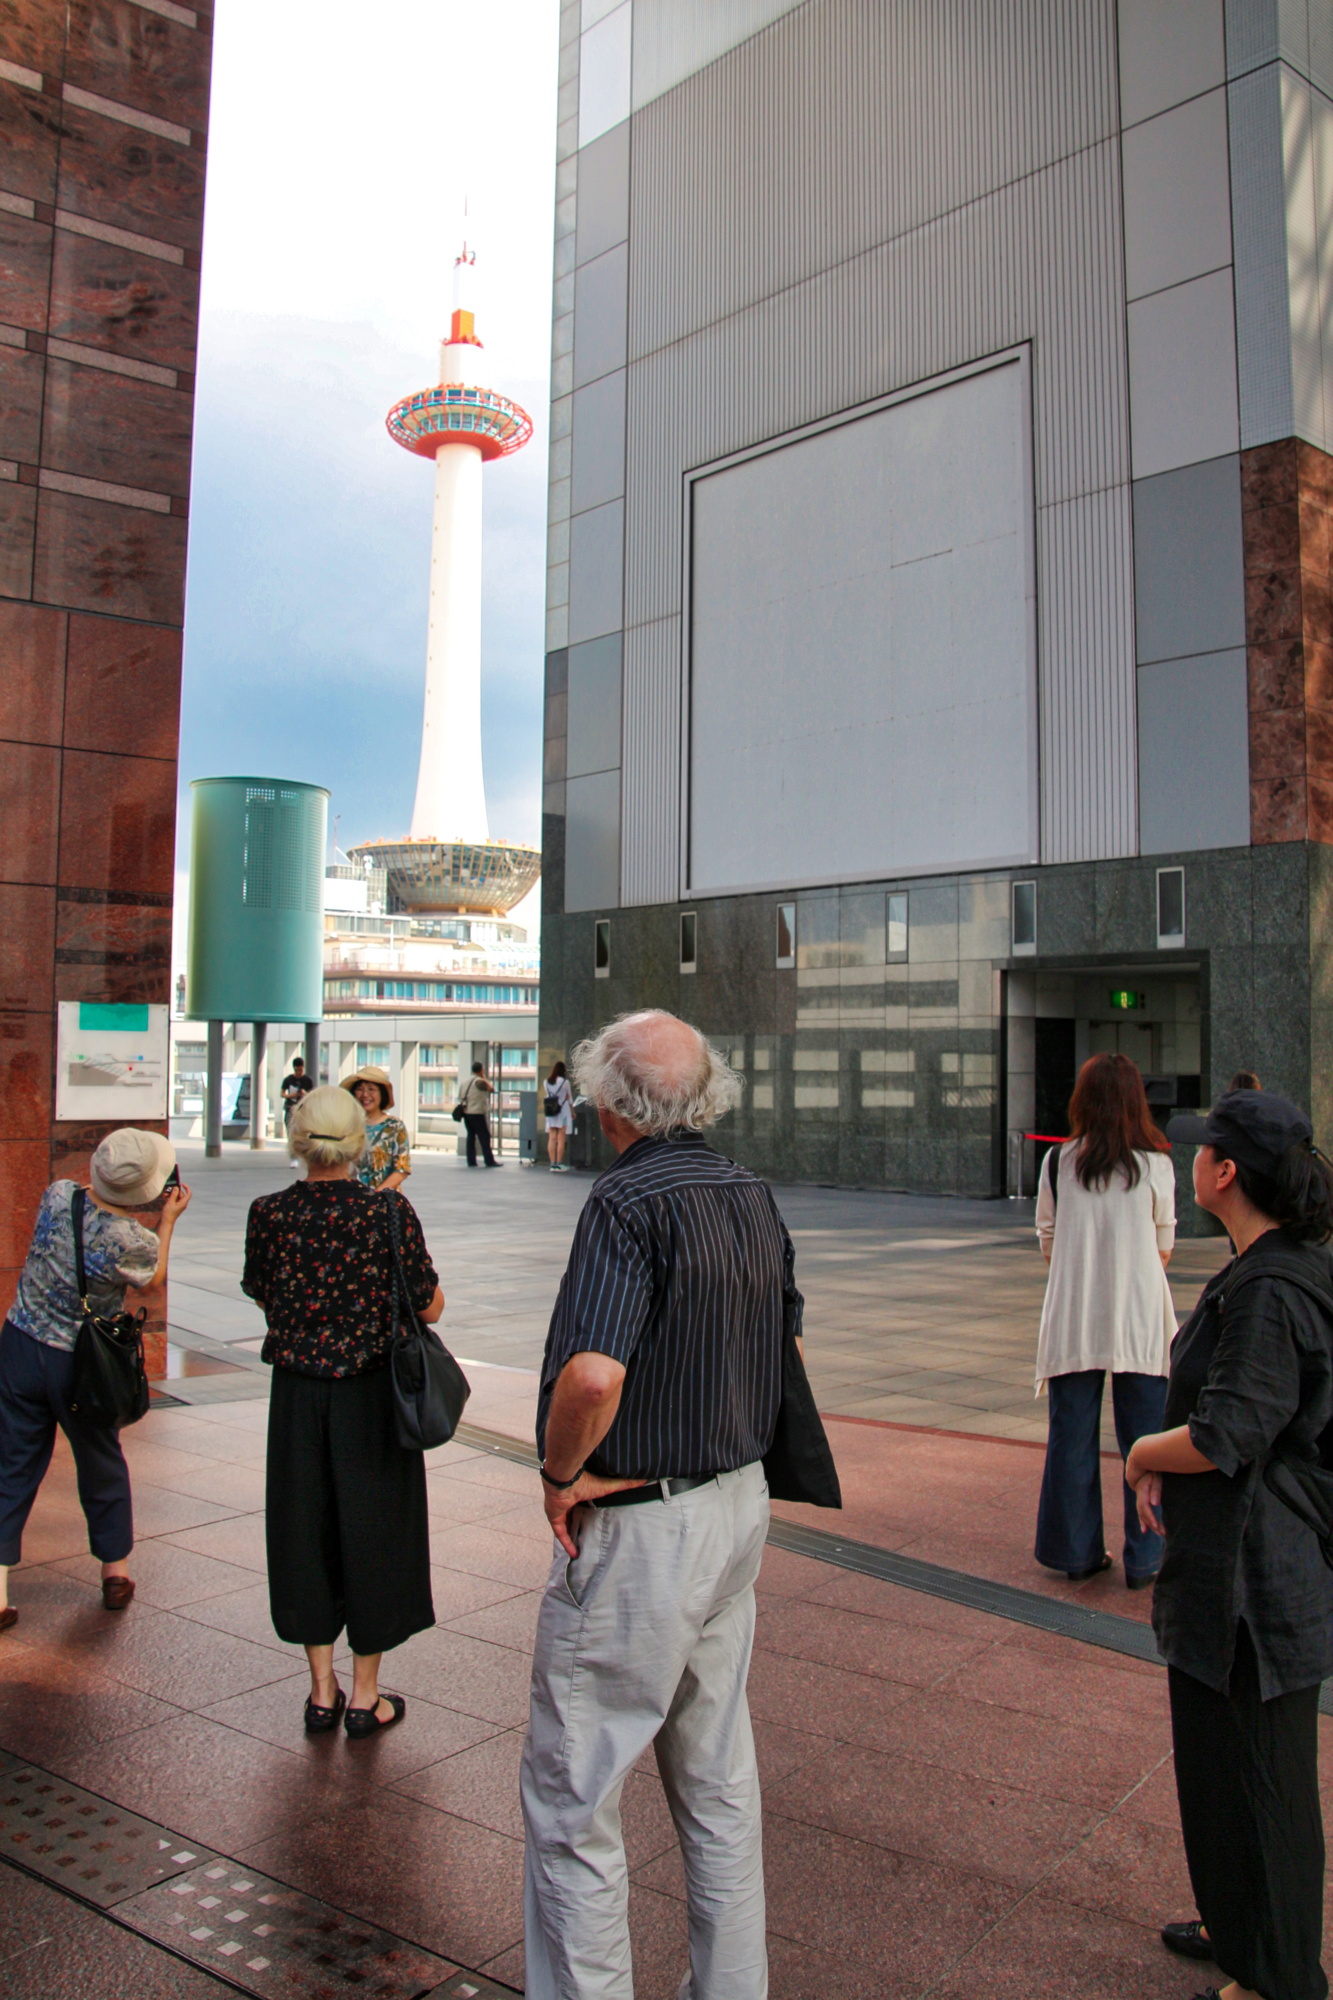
x=1106, y=1221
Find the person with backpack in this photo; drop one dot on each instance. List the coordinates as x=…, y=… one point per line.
x=126, y=1218
x=558, y=1109
x=1243, y=1609
x=1106, y=1223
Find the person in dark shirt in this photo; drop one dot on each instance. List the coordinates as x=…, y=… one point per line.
x=1243, y=1607
x=294, y=1087
x=347, y=1534
x=659, y=1395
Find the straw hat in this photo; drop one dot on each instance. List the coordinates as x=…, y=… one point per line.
x=130, y=1167
x=369, y=1074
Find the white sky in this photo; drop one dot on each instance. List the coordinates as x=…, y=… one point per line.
x=343, y=143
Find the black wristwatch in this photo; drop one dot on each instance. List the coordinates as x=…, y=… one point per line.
x=560, y=1485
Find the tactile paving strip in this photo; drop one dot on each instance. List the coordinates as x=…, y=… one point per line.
x=93, y=1849
x=273, y=1941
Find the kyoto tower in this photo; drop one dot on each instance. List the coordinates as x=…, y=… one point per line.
x=449, y=861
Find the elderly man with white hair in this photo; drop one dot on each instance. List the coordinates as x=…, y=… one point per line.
x=660, y=1391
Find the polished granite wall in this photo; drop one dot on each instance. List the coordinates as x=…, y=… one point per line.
x=872, y=1074
x=103, y=115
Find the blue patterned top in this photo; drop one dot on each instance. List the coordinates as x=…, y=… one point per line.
x=117, y=1252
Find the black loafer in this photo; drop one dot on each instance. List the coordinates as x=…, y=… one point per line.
x=366, y=1721
x=318, y=1719
x=1188, y=1941
x=1082, y=1575
x=1145, y=1582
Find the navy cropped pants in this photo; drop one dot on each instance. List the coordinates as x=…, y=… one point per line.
x=34, y=1397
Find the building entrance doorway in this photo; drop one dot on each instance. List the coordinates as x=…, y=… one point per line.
x=1056, y=1020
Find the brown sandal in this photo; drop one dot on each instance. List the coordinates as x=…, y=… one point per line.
x=9, y=1616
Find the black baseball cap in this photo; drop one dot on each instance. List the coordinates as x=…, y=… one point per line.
x=1255, y=1128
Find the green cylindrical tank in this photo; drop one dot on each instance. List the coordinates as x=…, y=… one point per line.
x=257, y=900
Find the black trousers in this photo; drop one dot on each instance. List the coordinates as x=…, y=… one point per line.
x=478, y=1134
x=35, y=1386
x=348, y=1537
x=1247, y=1776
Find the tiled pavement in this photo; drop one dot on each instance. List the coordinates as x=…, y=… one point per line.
x=954, y=1804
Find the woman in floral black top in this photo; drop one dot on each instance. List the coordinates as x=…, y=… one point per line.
x=348, y=1539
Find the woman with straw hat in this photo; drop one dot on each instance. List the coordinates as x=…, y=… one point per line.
x=128, y=1218
x=386, y=1161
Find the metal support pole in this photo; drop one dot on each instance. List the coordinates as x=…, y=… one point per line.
x=259, y=1085
x=312, y=1053
x=213, y=1094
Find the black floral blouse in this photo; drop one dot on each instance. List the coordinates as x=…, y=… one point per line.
x=319, y=1264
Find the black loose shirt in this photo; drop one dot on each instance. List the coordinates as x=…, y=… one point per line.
x=1249, y=1377
x=681, y=1269
x=319, y=1263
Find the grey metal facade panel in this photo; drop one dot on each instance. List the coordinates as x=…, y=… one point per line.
x=650, y=737
x=1189, y=561
x=1259, y=235
x=1194, y=753
x=603, y=210
x=1298, y=32
x=846, y=125
x=674, y=38
x=593, y=724
x=1039, y=260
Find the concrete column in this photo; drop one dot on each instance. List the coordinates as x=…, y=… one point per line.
x=259, y=1086
x=312, y=1041
x=213, y=1094
x=405, y=1085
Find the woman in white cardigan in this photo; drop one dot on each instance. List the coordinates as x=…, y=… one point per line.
x=1106, y=1223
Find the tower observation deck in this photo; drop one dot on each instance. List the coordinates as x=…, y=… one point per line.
x=449, y=861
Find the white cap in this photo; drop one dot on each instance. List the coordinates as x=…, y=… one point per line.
x=130, y=1167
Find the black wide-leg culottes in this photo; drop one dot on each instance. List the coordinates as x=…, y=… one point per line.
x=1247, y=1776
x=347, y=1531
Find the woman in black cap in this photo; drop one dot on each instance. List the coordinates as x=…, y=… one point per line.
x=1243, y=1609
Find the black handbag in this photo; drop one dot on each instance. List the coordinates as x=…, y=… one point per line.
x=798, y=1465
x=429, y=1388
x=110, y=1386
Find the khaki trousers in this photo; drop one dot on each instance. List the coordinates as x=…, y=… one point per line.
x=646, y=1638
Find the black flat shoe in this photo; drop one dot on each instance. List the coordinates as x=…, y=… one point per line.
x=1082, y=1575
x=1141, y=1582
x=366, y=1721
x=318, y=1720
x=1188, y=1941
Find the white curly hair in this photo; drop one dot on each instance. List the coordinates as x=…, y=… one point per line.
x=657, y=1073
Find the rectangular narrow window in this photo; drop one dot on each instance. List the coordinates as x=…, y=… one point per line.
x=688, y=940
x=1170, y=908
x=601, y=948
x=895, y=925
x=1025, y=916
x=786, y=938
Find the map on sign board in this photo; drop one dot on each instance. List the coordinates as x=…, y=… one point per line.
x=111, y=1061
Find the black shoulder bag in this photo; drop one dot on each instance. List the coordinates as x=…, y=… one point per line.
x=110, y=1387
x=798, y=1465
x=429, y=1388
x=1305, y=1485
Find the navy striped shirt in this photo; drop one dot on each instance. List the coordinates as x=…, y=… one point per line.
x=682, y=1270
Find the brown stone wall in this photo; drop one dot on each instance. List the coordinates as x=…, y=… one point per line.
x=1287, y=503
x=102, y=154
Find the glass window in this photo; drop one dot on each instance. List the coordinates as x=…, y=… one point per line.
x=688, y=941
x=601, y=948
x=895, y=924
x=1170, y=907
x=786, y=937
x=372, y=1052
x=431, y=1090
x=1025, y=916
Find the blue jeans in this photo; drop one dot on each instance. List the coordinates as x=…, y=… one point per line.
x=34, y=1397
x=1070, y=1533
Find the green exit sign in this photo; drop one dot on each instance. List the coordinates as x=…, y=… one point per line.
x=1125, y=1002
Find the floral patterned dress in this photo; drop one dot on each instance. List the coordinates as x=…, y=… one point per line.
x=318, y=1262
x=386, y=1152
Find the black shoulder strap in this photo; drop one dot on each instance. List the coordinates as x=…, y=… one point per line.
x=1278, y=1264
x=76, y=1208
x=1054, y=1155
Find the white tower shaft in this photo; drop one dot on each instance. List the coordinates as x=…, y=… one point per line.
x=451, y=793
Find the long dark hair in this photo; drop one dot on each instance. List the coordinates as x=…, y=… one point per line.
x=557, y=1069
x=1109, y=1116
x=1298, y=1197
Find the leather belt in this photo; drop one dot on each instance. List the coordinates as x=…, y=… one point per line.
x=656, y=1489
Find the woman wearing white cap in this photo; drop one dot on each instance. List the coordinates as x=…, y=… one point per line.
x=128, y=1173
